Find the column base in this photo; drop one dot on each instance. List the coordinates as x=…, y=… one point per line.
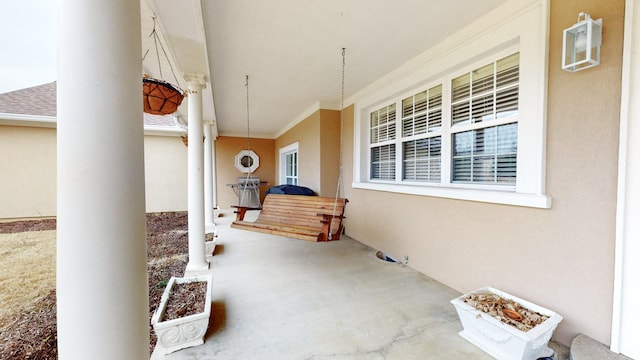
x=210, y=247
x=210, y=228
x=197, y=267
x=210, y=240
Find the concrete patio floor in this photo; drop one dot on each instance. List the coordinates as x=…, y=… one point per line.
x=279, y=298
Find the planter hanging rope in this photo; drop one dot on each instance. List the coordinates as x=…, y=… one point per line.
x=158, y=96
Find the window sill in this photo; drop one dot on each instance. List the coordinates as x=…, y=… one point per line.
x=489, y=196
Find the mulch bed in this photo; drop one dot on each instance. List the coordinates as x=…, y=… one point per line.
x=22, y=340
x=32, y=335
x=27, y=225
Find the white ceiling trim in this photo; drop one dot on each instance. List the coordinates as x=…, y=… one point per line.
x=320, y=105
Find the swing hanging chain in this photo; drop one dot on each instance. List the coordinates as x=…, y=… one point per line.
x=339, y=186
x=242, y=193
x=246, y=84
x=342, y=123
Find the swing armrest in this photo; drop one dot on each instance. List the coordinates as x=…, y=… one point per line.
x=327, y=217
x=327, y=224
x=242, y=210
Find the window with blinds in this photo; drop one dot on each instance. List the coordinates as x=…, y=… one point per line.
x=383, y=135
x=478, y=138
x=484, y=148
x=421, y=125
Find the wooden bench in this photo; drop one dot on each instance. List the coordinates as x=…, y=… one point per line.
x=302, y=217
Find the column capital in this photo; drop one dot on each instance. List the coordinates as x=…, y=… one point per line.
x=195, y=79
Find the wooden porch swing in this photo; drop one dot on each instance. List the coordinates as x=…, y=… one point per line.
x=311, y=218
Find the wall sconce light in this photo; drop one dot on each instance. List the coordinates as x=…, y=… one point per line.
x=581, y=44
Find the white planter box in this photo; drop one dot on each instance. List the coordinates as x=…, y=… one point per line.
x=503, y=341
x=183, y=332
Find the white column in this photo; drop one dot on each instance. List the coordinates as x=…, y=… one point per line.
x=209, y=225
x=214, y=175
x=626, y=295
x=197, y=261
x=102, y=292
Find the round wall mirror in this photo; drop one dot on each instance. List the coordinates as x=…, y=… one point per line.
x=247, y=161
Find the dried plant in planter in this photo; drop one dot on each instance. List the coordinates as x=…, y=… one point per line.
x=507, y=311
x=186, y=299
x=182, y=318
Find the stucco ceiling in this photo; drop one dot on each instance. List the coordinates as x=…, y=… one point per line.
x=291, y=50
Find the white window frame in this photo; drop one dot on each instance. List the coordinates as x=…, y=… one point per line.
x=284, y=151
x=511, y=28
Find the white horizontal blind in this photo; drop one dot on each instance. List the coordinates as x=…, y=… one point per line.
x=383, y=162
x=487, y=155
x=383, y=135
x=484, y=148
x=383, y=124
x=422, y=138
x=487, y=93
x=422, y=159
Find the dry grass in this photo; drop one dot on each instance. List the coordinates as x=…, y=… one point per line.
x=27, y=270
x=27, y=279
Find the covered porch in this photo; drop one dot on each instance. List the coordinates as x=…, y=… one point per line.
x=580, y=244
x=281, y=298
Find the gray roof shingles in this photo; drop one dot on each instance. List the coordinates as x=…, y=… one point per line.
x=41, y=101
x=37, y=100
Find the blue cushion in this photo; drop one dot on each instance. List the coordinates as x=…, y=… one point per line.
x=290, y=190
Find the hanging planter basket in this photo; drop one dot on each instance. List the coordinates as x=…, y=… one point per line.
x=160, y=97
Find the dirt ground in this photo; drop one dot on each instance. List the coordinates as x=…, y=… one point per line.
x=28, y=314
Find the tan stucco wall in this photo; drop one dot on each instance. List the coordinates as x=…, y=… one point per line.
x=329, y=152
x=165, y=165
x=27, y=172
x=347, y=155
x=227, y=147
x=307, y=134
x=318, y=138
x=560, y=258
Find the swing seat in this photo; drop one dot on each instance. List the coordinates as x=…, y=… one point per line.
x=301, y=217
